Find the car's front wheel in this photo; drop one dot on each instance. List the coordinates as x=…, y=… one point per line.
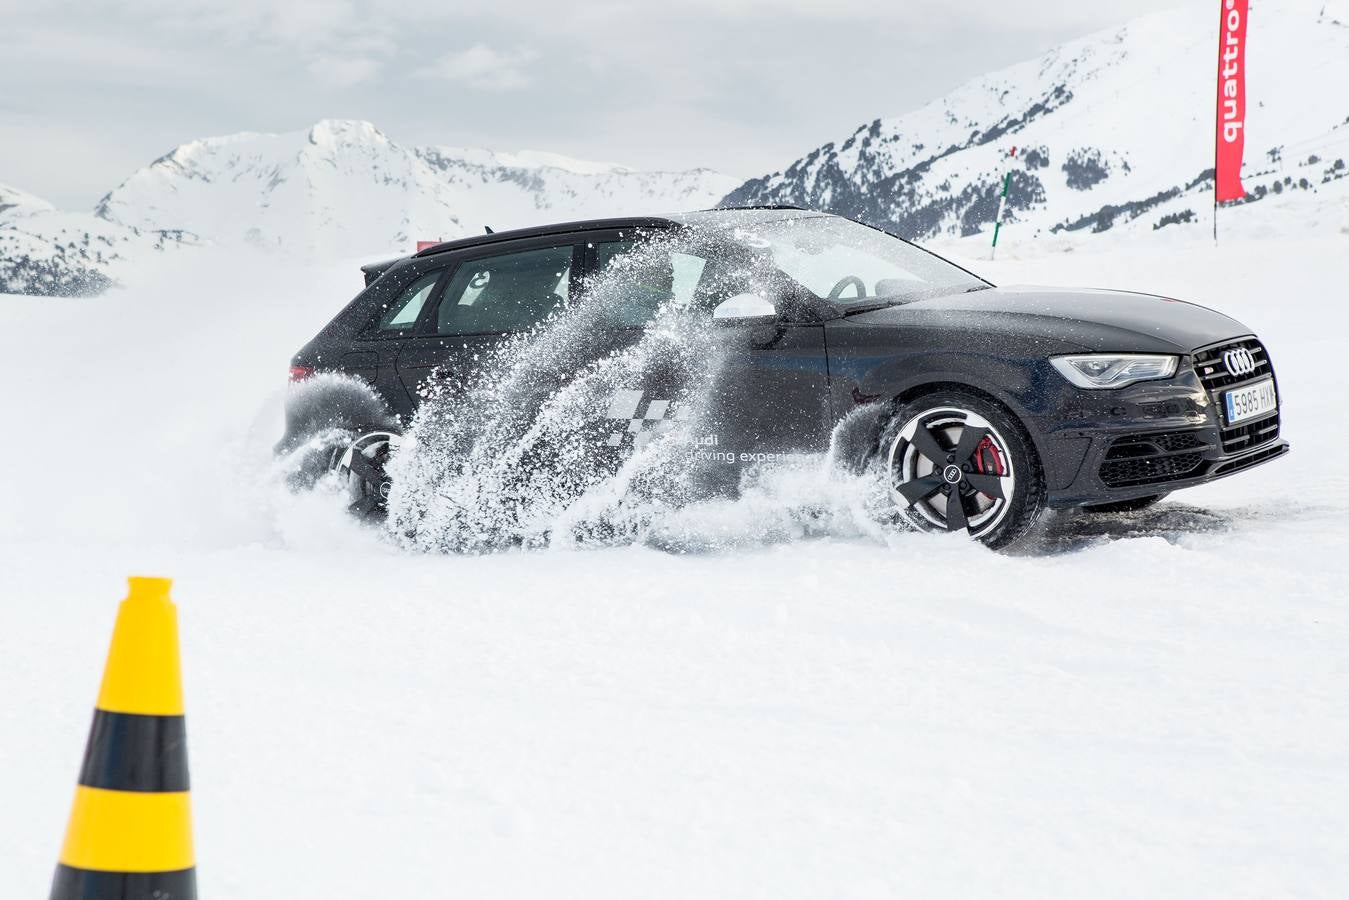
x=955, y=461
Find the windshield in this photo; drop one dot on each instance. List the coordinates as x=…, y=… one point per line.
x=852, y=265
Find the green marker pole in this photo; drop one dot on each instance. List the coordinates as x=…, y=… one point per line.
x=1002, y=207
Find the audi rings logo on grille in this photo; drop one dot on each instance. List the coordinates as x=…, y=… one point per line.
x=1239, y=361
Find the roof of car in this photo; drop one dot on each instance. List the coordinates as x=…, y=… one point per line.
x=736, y=215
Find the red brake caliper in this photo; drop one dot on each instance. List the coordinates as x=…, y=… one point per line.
x=988, y=459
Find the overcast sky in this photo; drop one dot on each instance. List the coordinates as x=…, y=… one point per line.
x=97, y=88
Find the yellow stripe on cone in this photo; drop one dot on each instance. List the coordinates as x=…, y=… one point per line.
x=143, y=674
x=130, y=831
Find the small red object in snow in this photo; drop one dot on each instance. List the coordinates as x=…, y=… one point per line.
x=422, y=245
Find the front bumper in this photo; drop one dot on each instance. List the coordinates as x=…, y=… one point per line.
x=1151, y=438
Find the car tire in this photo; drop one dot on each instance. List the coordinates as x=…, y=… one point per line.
x=958, y=443
x=361, y=465
x=1123, y=506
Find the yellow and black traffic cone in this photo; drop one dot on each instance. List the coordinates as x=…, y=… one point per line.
x=130, y=832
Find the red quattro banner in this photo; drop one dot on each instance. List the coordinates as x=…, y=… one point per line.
x=1231, y=135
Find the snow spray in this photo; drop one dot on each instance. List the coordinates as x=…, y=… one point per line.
x=524, y=454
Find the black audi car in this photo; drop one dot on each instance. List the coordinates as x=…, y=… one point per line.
x=980, y=406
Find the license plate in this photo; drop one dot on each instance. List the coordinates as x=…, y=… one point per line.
x=1251, y=402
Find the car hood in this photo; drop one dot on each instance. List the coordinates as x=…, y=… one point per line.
x=1087, y=319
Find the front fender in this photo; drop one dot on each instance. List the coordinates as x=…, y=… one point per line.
x=1026, y=387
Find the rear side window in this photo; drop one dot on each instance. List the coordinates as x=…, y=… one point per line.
x=505, y=293
x=403, y=312
x=654, y=277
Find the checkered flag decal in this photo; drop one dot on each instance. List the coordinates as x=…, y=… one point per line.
x=643, y=426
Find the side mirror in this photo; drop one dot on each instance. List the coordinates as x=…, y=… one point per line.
x=744, y=309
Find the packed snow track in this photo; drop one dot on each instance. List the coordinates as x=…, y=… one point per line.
x=1152, y=704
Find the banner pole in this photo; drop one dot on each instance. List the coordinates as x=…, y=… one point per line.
x=1215, y=208
x=1218, y=117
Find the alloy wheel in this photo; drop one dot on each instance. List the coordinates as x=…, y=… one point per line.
x=950, y=470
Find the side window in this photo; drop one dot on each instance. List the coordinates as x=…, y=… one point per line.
x=509, y=292
x=402, y=313
x=688, y=273
x=638, y=284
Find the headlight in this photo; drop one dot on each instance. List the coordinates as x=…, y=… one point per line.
x=1114, y=370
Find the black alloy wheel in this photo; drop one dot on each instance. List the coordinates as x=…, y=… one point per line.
x=958, y=462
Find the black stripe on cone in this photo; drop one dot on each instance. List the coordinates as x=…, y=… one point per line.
x=129, y=752
x=83, y=884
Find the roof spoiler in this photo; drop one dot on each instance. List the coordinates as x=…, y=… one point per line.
x=375, y=269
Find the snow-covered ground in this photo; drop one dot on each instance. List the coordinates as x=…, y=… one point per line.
x=1155, y=708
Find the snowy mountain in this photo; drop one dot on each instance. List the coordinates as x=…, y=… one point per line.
x=531, y=159
x=343, y=188
x=515, y=189
x=15, y=203
x=47, y=252
x=1112, y=131
x=340, y=189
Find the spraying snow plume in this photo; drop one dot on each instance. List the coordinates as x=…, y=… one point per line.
x=555, y=444
x=522, y=455
x=326, y=411
x=557, y=440
x=331, y=400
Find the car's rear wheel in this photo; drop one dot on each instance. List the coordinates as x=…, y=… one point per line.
x=958, y=462
x=361, y=466
x=1121, y=506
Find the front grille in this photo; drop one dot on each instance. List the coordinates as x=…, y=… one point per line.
x=1212, y=371
x=1250, y=434
x=1151, y=458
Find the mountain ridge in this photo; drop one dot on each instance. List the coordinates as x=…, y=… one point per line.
x=1113, y=130
x=1113, y=134
x=339, y=189
x=343, y=187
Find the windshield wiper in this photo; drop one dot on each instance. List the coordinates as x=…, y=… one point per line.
x=853, y=309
